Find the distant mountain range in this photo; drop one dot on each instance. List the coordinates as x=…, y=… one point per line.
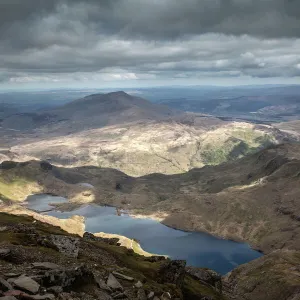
x=131, y=134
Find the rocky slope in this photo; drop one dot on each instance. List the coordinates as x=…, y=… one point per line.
x=274, y=276
x=254, y=199
x=39, y=261
x=128, y=133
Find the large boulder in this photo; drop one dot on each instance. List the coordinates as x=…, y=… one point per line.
x=206, y=276
x=66, y=245
x=70, y=277
x=113, y=283
x=172, y=271
x=45, y=266
x=111, y=241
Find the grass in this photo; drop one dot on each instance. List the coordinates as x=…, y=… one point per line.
x=241, y=142
x=14, y=190
x=136, y=247
x=193, y=289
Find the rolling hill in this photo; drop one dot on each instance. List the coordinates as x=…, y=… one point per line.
x=117, y=130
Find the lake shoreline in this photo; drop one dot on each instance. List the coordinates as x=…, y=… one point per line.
x=200, y=249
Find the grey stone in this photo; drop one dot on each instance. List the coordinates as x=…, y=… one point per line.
x=102, y=295
x=27, y=284
x=8, y=298
x=4, y=285
x=4, y=253
x=102, y=285
x=172, y=272
x=67, y=277
x=43, y=297
x=138, y=285
x=151, y=295
x=113, y=283
x=55, y=290
x=45, y=266
x=141, y=295
x=122, y=276
x=66, y=245
x=11, y=275
x=206, y=276
x=119, y=296
x=165, y=296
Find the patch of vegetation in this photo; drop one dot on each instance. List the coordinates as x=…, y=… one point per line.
x=242, y=141
x=194, y=290
x=215, y=155
x=14, y=189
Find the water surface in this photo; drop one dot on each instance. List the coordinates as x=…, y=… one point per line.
x=198, y=249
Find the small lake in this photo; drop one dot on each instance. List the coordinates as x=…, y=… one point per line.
x=198, y=249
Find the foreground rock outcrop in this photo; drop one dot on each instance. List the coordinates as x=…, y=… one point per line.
x=274, y=276
x=42, y=262
x=37, y=261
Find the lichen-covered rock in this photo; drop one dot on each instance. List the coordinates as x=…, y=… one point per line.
x=64, y=244
x=68, y=277
x=113, y=283
x=92, y=237
x=173, y=272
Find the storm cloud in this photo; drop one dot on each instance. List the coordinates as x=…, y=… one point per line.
x=64, y=40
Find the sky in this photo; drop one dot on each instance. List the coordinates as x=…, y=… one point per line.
x=136, y=43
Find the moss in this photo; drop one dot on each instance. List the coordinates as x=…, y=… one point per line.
x=14, y=188
x=42, y=228
x=194, y=290
x=241, y=142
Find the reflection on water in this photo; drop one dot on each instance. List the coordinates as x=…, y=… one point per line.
x=199, y=249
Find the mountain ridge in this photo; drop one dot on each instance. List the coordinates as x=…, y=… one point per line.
x=223, y=200
x=133, y=135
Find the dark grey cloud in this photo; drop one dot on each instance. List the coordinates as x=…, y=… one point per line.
x=165, y=18
x=53, y=40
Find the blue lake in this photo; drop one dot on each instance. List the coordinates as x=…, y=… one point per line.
x=198, y=249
